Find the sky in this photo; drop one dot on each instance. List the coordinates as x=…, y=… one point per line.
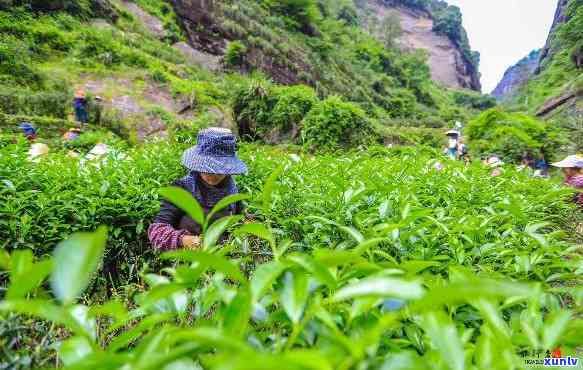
x=505, y=31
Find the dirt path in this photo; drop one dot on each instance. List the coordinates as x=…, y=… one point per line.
x=151, y=23
x=197, y=57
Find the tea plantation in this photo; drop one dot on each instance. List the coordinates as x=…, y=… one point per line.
x=362, y=259
x=363, y=247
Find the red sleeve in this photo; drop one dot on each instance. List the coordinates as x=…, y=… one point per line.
x=164, y=237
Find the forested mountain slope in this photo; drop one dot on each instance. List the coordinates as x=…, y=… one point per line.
x=159, y=65
x=554, y=91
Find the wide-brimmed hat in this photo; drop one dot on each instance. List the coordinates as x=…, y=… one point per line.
x=572, y=161
x=494, y=161
x=27, y=128
x=215, y=152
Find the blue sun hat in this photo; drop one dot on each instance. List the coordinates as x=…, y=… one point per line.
x=215, y=152
x=27, y=128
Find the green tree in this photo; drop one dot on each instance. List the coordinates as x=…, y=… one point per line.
x=300, y=14
x=389, y=29
x=511, y=134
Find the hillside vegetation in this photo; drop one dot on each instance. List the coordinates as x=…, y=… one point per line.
x=49, y=51
x=555, y=91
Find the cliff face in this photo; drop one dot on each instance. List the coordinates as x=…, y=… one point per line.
x=446, y=61
x=551, y=47
x=209, y=28
x=555, y=80
x=517, y=76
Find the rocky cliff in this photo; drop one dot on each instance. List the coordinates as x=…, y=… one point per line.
x=556, y=78
x=517, y=76
x=551, y=47
x=554, y=89
x=211, y=24
x=449, y=66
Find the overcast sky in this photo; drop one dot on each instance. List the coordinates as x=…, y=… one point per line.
x=505, y=31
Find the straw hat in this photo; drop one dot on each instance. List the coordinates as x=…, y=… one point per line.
x=572, y=161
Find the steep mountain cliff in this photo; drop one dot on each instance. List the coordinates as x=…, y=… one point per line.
x=555, y=90
x=211, y=24
x=434, y=27
x=517, y=76
x=552, y=47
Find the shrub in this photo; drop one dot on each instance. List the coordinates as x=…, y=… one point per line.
x=25, y=102
x=270, y=112
x=292, y=105
x=399, y=103
x=334, y=123
x=349, y=15
x=235, y=54
x=89, y=139
x=412, y=136
x=252, y=106
x=511, y=135
x=15, y=63
x=299, y=14
x=474, y=100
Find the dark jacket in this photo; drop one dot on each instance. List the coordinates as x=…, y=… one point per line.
x=172, y=215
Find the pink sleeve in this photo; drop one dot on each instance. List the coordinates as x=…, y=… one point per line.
x=577, y=182
x=164, y=237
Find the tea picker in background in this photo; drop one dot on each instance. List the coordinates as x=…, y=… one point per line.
x=72, y=134
x=496, y=163
x=527, y=162
x=452, y=143
x=29, y=131
x=573, y=170
x=211, y=164
x=462, y=151
x=80, y=106
x=541, y=166
x=459, y=127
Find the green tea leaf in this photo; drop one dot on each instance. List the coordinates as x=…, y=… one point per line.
x=74, y=350
x=216, y=230
x=312, y=266
x=554, y=327
x=295, y=294
x=234, y=198
x=445, y=339
x=237, y=314
x=25, y=277
x=216, y=262
x=75, y=261
x=268, y=188
x=185, y=201
x=264, y=277
x=257, y=230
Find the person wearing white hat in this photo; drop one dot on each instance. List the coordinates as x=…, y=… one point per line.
x=572, y=167
x=36, y=151
x=452, y=143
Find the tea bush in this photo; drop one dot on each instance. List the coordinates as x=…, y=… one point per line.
x=384, y=262
x=25, y=102
x=43, y=202
x=511, y=135
x=334, y=123
x=266, y=110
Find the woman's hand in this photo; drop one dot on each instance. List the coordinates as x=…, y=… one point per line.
x=191, y=242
